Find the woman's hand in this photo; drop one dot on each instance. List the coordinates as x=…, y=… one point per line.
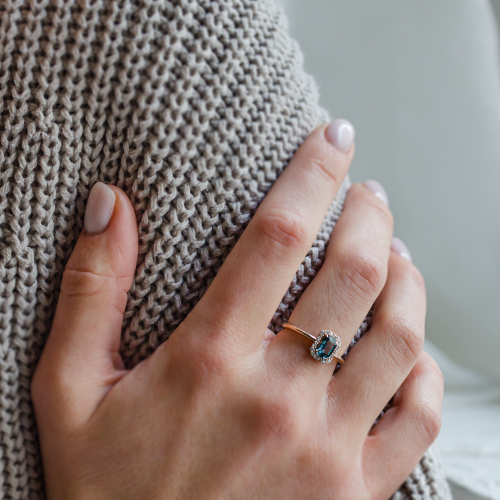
x=225, y=409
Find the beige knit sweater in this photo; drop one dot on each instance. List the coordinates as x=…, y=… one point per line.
x=193, y=107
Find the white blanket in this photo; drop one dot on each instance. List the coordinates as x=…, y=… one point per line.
x=469, y=442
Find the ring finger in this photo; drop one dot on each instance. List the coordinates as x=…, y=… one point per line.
x=338, y=299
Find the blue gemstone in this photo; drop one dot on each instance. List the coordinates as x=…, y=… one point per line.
x=327, y=347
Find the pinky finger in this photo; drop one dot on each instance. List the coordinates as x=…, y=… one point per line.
x=405, y=432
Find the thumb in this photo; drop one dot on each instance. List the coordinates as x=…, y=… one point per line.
x=81, y=360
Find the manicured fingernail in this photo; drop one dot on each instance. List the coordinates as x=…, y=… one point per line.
x=399, y=247
x=99, y=209
x=377, y=189
x=341, y=134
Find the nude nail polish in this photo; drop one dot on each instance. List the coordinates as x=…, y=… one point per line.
x=340, y=133
x=99, y=209
x=377, y=189
x=400, y=248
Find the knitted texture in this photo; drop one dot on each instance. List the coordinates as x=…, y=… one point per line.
x=193, y=108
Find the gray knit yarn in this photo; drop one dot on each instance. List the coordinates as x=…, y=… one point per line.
x=193, y=107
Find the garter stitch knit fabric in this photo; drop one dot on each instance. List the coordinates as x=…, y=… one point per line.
x=193, y=108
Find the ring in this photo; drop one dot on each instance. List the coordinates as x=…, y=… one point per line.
x=325, y=345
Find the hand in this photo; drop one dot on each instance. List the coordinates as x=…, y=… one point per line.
x=224, y=409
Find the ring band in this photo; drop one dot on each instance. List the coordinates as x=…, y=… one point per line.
x=325, y=345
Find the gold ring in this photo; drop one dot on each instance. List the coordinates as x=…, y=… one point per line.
x=325, y=345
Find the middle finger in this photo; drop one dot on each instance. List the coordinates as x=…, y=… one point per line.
x=338, y=299
x=254, y=278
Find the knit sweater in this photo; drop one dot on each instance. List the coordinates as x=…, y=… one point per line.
x=193, y=108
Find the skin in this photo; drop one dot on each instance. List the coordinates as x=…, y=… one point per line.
x=225, y=409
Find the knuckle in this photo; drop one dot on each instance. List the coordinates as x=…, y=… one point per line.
x=427, y=377
x=362, y=273
x=433, y=370
x=282, y=227
x=430, y=420
x=383, y=213
x=107, y=292
x=325, y=168
x=409, y=274
x=379, y=208
x=77, y=283
x=416, y=278
x=407, y=339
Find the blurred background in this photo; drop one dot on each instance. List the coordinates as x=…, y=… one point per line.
x=420, y=82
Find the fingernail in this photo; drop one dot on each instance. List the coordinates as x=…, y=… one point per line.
x=377, y=189
x=99, y=209
x=341, y=134
x=400, y=248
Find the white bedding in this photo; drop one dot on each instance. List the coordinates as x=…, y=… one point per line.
x=469, y=442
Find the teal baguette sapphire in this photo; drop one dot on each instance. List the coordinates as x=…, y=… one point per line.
x=325, y=347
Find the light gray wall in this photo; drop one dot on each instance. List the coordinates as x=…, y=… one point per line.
x=420, y=82
x=496, y=9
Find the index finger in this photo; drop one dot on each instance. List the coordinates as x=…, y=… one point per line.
x=257, y=273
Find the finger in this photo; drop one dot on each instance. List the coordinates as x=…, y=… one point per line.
x=257, y=273
x=81, y=358
x=384, y=357
x=340, y=296
x=405, y=432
